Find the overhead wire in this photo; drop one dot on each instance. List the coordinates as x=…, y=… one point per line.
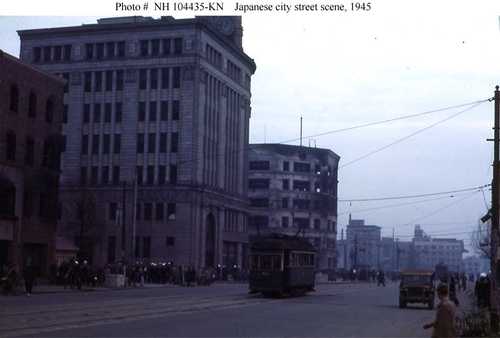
x=477, y=188
x=440, y=209
x=370, y=124
x=395, y=205
x=409, y=136
x=364, y=125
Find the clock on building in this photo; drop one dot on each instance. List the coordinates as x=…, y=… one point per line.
x=223, y=24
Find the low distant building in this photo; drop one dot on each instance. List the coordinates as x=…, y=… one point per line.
x=293, y=190
x=386, y=254
x=429, y=252
x=363, y=243
x=341, y=254
x=31, y=110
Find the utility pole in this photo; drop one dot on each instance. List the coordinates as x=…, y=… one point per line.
x=397, y=254
x=134, y=221
x=393, y=256
x=124, y=186
x=356, y=251
x=495, y=221
x=345, y=249
x=301, y=131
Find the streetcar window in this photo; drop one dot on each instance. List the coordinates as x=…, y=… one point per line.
x=276, y=262
x=266, y=262
x=254, y=262
x=304, y=259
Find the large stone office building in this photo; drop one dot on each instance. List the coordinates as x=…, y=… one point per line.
x=293, y=190
x=164, y=103
x=30, y=125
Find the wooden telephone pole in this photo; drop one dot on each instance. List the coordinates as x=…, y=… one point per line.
x=495, y=221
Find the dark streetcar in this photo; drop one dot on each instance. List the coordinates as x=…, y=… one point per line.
x=281, y=264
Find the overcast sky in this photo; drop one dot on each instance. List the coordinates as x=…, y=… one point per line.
x=338, y=71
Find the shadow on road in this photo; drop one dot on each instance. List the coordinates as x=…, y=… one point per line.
x=408, y=307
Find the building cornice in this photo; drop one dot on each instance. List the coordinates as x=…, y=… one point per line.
x=148, y=25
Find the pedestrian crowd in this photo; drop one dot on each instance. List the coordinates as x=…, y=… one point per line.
x=77, y=274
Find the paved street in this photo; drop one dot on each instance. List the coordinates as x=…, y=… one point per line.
x=222, y=310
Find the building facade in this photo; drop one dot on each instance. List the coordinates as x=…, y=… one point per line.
x=31, y=106
x=428, y=252
x=363, y=245
x=156, y=132
x=293, y=190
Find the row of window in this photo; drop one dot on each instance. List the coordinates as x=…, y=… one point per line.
x=55, y=53
x=150, y=171
x=103, y=81
x=164, y=111
x=109, y=175
x=157, y=47
x=301, y=167
x=50, y=152
x=152, y=141
x=298, y=185
x=15, y=100
x=98, y=110
x=276, y=263
x=108, y=50
x=234, y=71
x=213, y=56
x=149, y=175
x=259, y=221
x=95, y=146
x=160, y=78
x=104, y=50
x=146, y=211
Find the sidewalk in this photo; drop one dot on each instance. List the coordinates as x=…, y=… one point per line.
x=59, y=289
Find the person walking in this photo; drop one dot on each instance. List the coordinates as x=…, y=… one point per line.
x=29, y=278
x=453, y=290
x=444, y=323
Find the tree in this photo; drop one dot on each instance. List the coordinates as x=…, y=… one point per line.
x=80, y=219
x=481, y=239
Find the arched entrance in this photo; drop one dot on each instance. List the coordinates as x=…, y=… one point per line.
x=210, y=241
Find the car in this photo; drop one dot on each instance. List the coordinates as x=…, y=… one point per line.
x=417, y=286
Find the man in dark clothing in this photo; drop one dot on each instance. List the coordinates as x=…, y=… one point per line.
x=29, y=278
x=482, y=291
x=453, y=290
x=464, y=282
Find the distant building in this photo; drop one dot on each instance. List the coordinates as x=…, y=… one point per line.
x=164, y=103
x=363, y=242
x=31, y=107
x=293, y=190
x=428, y=252
x=386, y=254
x=341, y=252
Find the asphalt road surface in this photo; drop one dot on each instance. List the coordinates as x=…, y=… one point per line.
x=221, y=310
